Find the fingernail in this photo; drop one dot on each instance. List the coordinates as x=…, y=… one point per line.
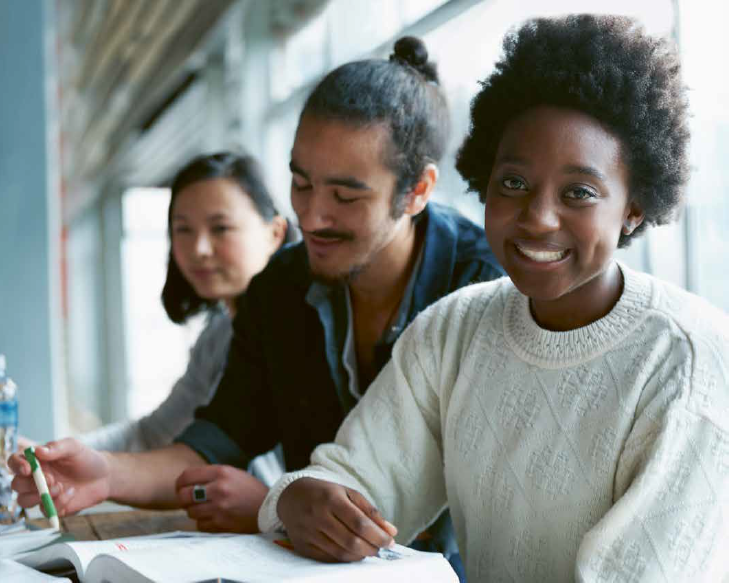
x=392, y=544
x=70, y=492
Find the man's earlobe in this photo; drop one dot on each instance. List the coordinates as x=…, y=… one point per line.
x=431, y=174
x=418, y=199
x=421, y=192
x=417, y=205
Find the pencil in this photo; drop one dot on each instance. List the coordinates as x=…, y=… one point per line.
x=42, y=485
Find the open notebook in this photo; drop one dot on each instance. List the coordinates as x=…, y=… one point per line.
x=19, y=538
x=194, y=557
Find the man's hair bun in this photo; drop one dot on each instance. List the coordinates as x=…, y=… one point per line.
x=410, y=50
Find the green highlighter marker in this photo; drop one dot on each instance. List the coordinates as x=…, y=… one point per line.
x=42, y=485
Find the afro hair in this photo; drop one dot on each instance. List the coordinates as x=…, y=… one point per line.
x=608, y=68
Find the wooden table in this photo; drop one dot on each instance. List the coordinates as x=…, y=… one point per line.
x=107, y=525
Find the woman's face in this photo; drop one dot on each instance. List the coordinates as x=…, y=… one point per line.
x=219, y=241
x=556, y=202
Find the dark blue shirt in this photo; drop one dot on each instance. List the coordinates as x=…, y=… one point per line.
x=279, y=383
x=334, y=306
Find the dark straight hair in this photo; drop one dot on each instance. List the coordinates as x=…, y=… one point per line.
x=178, y=297
x=403, y=93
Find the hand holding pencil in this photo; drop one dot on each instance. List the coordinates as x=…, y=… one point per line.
x=76, y=476
x=331, y=523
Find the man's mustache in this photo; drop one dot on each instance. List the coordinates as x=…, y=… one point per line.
x=330, y=234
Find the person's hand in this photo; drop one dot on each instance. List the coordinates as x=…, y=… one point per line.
x=233, y=498
x=77, y=476
x=331, y=523
x=24, y=442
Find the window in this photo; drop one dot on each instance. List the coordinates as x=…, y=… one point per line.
x=300, y=57
x=704, y=42
x=157, y=350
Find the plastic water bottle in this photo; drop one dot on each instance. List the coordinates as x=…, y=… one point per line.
x=9, y=509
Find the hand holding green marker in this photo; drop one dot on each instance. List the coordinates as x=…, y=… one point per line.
x=42, y=485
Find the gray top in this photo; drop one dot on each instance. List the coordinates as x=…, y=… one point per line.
x=192, y=390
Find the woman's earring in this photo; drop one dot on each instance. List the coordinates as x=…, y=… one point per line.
x=627, y=227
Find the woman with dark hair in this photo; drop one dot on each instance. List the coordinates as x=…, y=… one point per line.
x=573, y=415
x=223, y=228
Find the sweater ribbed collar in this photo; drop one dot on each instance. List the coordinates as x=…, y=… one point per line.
x=548, y=349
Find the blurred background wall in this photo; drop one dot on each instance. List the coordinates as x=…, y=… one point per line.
x=29, y=217
x=101, y=100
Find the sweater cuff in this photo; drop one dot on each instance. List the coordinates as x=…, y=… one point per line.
x=268, y=520
x=213, y=444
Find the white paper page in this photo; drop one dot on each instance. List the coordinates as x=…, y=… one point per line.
x=255, y=558
x=21, y=542
x=55, y=555
x=14, y=571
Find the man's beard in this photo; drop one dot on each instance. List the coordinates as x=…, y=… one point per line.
x=344, y=278
x=360, y=263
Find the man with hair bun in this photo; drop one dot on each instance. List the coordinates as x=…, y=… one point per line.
x=318, y=324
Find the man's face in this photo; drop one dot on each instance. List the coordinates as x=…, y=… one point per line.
x=341, y=192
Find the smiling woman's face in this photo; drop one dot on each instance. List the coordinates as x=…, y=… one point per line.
x=219, y=240
x=557, y=199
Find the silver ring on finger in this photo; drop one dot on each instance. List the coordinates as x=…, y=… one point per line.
x=199, y=494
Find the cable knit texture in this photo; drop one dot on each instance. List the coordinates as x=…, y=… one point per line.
x=599, y=454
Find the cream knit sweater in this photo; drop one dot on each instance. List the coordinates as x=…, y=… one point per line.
x=599, y=454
